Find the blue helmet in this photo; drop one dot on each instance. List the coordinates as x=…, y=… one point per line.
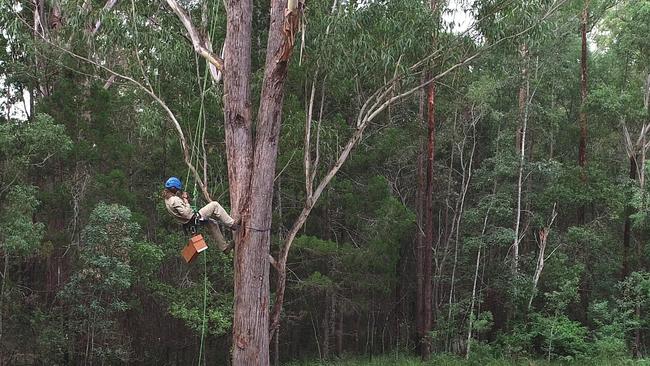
x=173, y=182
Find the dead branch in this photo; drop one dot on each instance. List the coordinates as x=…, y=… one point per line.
x=201, y=46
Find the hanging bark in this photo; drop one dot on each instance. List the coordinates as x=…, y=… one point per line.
x=543, y=236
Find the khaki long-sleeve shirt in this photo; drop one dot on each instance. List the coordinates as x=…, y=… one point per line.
x=178, y=208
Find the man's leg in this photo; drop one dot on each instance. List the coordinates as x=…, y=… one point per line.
x=214, y=209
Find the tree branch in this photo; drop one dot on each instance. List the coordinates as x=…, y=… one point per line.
x=200, y=45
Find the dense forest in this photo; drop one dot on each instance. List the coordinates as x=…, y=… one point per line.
x=411, y=178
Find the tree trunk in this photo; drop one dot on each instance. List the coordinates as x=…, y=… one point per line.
x=582, y=153
x=249, y=345
x=252, y=202
x=5, y=274
x=582, y=146
x=628, y=225
x=339, y=334
x=471, y=307
x=425, y=312
x=427, y=308
x=419, y=240
x=521, y=147
x=325, y=326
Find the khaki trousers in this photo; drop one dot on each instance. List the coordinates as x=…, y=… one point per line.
x=214, y=209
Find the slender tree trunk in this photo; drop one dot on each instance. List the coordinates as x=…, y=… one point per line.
x=339, y=334
x=427, y=308
x=471, y=308
x=582, y=153
x=5, y=274
x=426, y=248
x=523, y=122
x=419, y=240
x=464, y=187
x=478, y=264
x=325, y=326
x=582, y=146
x=639, y=244
x=628, y=224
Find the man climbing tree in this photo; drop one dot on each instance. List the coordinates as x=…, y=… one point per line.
x=178, y=205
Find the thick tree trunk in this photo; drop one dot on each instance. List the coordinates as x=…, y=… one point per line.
x=251, y=318
x=250, y=339
x=237, y=102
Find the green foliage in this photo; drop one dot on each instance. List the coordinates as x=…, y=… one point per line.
x=98, y=292
x=187, y=306
x=25, y=145
x=559, y=337
x=19, y=235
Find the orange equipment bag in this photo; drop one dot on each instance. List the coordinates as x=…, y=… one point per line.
x=194, y=247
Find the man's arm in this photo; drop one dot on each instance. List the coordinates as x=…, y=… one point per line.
x=182, y=207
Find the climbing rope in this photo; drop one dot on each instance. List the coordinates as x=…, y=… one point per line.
x=202, y=123
x=205, y=305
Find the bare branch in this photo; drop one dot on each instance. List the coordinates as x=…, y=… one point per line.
x=307, y=159
x=200, y=45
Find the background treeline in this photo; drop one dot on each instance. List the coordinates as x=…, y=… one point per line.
x=536, y=252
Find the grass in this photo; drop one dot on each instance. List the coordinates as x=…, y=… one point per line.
x=449, y=360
